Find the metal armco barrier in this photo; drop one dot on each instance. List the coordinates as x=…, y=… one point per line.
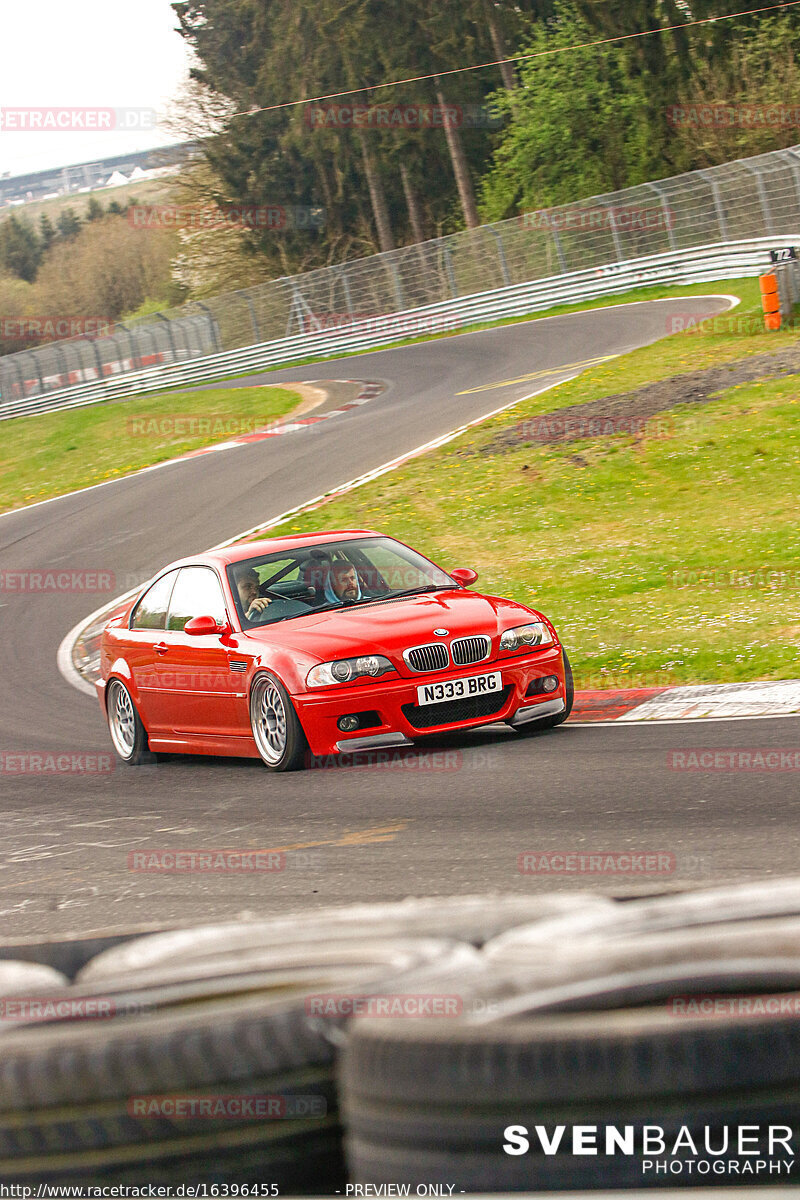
x=705, y=264
x=705, y=225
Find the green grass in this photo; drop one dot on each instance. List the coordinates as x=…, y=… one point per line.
x=48, y=455
x=608, y=550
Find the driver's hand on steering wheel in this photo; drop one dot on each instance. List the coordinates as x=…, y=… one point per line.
x=257, y=607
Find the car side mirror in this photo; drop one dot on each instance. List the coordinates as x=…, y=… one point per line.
x=203, y=626
x=464, y=575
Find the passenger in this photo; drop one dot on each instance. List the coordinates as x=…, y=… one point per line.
x=248, y=585
x=314, y=574
x=343, y=585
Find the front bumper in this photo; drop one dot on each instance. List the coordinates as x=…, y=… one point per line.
x=320, y=710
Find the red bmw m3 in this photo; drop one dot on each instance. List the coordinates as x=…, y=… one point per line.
x=321, y=644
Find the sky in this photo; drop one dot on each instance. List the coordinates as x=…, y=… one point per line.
x=95, y=54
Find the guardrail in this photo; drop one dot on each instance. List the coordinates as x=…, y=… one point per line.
x=696, y=265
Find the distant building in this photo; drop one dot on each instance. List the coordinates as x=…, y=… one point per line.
x=65, y=181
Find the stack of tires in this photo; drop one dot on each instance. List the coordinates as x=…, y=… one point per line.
x=540, y=1026
x=677, y=1017
x=208, y=1055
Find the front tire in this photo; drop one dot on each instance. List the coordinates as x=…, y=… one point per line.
x=276, y=728
x=128, y=734
x=559, y=718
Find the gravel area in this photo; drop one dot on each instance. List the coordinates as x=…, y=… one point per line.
x=632, y=412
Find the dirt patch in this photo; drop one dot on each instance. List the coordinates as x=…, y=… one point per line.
x=632, y=412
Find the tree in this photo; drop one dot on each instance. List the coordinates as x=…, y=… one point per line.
x=16, y=300
x=69, y=223
x=256, y=53
x=107, y=269
x=20, y=249
x=47, y=232
x=755, y=76
x=575, y=129
x=95, y=210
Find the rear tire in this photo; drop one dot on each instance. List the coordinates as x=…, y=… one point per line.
x=559, y=718
x=128, y=734
x=276, y=727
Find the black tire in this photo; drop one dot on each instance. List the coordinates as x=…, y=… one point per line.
x=434, y=1102
x=67, y=1088
x=128, y=734
x=559, y=718
x=275, y=725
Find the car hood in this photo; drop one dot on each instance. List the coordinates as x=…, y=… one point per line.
x=391, y=626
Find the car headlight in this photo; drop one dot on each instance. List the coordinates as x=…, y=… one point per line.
x=536, y=634
x=345, y=670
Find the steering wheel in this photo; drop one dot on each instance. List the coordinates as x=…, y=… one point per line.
x=263, y=618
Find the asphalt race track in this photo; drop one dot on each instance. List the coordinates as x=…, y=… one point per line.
x=457, y=825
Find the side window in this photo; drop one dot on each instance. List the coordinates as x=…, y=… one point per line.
x=196, y=594
x=151, y=611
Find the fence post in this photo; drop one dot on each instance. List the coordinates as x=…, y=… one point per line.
x=615, y=232
x=766, y=211
x=214, y=327
x=667, y=211
x=97, y=358
x=501, y=254
x=391, y=265
x=170, y=335
x=794, y=167
x=253, y=317
x=135, y=363
x=557, y=240
x=717, y=198
x=61, y=354
x=39, y=375
x=348, y=299
x=451, y=275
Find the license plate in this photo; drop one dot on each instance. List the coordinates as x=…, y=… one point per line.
x=459, y=689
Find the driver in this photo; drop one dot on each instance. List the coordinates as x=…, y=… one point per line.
x=248, y=585
x=342, y=585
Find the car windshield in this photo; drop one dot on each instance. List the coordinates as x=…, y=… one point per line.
x=314, y=578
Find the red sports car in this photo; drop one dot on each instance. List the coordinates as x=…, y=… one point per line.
x=321, y=644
